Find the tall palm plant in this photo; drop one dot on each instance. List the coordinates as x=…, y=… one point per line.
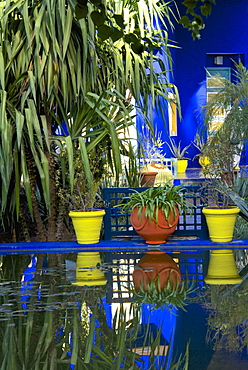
x=226, y=143
x=58, y=69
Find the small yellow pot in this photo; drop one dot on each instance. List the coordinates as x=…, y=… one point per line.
x=182, y=165
x=88, y=270
x=221, y=223
x=204, y=161
x=222, y=268
x=87, y=225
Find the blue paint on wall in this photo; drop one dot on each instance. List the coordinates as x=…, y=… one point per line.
x=226, y=31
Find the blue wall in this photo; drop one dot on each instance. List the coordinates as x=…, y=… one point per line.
x=226, y=31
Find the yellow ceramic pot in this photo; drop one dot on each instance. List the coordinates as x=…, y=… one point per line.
x=221, y=223
x=222, y=268
x=87, y=225
x=182, y=165
x=204, y=161
x=88, y=271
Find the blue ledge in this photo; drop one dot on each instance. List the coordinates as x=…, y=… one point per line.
x=117, y=246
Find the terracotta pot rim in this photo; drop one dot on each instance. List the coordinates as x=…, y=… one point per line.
x=150, y=172
x=156, y=252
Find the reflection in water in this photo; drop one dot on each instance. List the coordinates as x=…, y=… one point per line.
x=227, y=320
x=50, y=320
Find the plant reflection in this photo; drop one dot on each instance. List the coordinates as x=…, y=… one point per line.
x=49, y=323
x=227, y=320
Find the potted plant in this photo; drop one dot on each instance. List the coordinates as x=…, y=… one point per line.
x=199, y=142
x=179, y=152
x=221, y=214
x=155, y=211
x=224, y=145
x=157, y=281
x=153, y=170
x=86, y=208
x=219, y=209
x=226, y=122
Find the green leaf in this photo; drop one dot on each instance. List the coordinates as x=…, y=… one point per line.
x=69, y=148
x=97, y=18
x=131, y=37
x=104, y=32
x=119, y=20
x=85, y=160
x=116, y=34
x=184, y=20
x=81, y=11
x=96, y=2
x=137, y=48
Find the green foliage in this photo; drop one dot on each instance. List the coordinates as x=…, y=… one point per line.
x=151, y=147
x=116, y=348
x=173, y=295
x=112, y=22
x=227, y=321
x=57, y=72
x=196, y=11
x=239, y=196
x=226, y=143
x=199, y=143
x=168, y=198
x=240, y=229
x=177, y=150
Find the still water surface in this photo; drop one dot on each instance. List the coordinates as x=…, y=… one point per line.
x=50, y=320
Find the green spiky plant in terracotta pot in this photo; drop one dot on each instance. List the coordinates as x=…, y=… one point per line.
x=155, y=211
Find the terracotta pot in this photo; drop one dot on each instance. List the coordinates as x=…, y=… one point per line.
x=147, y=178
x=153, y=265
x=154, y=233
x=164, y=174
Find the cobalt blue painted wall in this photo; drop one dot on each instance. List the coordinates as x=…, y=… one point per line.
x=226, y=31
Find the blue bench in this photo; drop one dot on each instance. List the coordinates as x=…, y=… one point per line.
x=120, y=245
x=191, y=233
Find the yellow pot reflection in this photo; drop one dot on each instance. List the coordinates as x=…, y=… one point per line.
x=88, y=271
x=222, y=268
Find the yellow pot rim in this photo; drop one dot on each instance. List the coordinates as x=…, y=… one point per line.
x=223, y=211
x=222, y=281
x=90, y=282
x=92, y=213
